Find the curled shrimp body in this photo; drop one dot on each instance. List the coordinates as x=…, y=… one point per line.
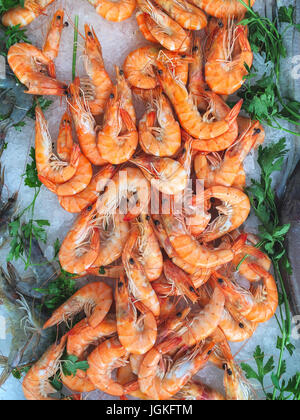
x=254, y=255
x=159, y=132
x=139, y=285
x=184, y=13
x=65, y=142
x=126, y=376
x=225, y=73
x=205, y=322
x=23, y=16
x=48, y=165
x=115, y=144
x=35, y=70
x=136, y=334
x=149, y=249
x=189, y=249
x=223, y=8
x=138, y=67
x=51, y=46
x=127, y=184
x=94, y=298
x=235, y=211
x=77, y=383
x=163, y=28
x=198, y=392
x=36, y=385
x=265, y=294
x=81, y=246
x=107, y=357
x=82, y=335
x=78, y=202
x=85, y=124
x=165, y=174
x=187, y=112
x=115, y=11
x=97, y=86
x=114, y=232
x=141, y=21
x=224, y=172
x=235, y=326
x=160, y=384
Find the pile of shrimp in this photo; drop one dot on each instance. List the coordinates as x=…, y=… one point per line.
x=161, y=208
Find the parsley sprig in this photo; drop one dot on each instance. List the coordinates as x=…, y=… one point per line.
x=19, y=231
x=5, y=5
x=272, y=235
x=263, y=99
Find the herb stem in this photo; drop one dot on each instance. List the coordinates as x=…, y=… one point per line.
x=75, y=46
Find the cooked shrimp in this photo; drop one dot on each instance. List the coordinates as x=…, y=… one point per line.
x=220, y=111
x=161, y=384
x=78, y=202
x=159, y=132
x=167, y=32
x=139, y=285
x=114, y=232
x=77, y=383
x=224, y=72
x=265, y=295
x=136, y=334
x=36, y=385
x=128, y=184
x=204, y=323
x=240, y=180
x=223, y=9
x=48, y=165
x=82, y=335
x=225, y=171
x=85, y=124
x=97, y=86
x=188, y=249
x=35, y=70
x=81, y=246
x=107, y=357
x=198, y=392
x=115, y=11
x=149, y=249
x=94, y=299
x=179, y=280
x=236, y=327
x=138, y=67
x=234, y=211
x=187, y=112
x=184, y=13
x=244, y=123
x=51, y=46
x=114, y=144
x=165, y=174
x=254, y=255
x=65, y=142
x=141, y=21
x=23, y=16
x=125, y=376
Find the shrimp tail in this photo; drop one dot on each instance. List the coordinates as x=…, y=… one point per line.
x=127, y=120
x=46, y=86
x=239, y=242
x=234, y=113
x=75, y=155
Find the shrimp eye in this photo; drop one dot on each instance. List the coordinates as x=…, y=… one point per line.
x=58, y=17
x=192, y=289
x=90, y=34
x=209, y=353
x=66, y=24
x=220, y=24
x=121, y=73
x=131, y=261
x=195, y=49
x=257, y=131
x=220, y=281
x=184, y=150
x=241, y=325
x=224, y=366
x=179, y=314
x=229, y=372
x=111, y=96
x=148, y=218
x=89, y=208
x=160, y=72
x=120, y=284
x=156, y=222
x=183, y=56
